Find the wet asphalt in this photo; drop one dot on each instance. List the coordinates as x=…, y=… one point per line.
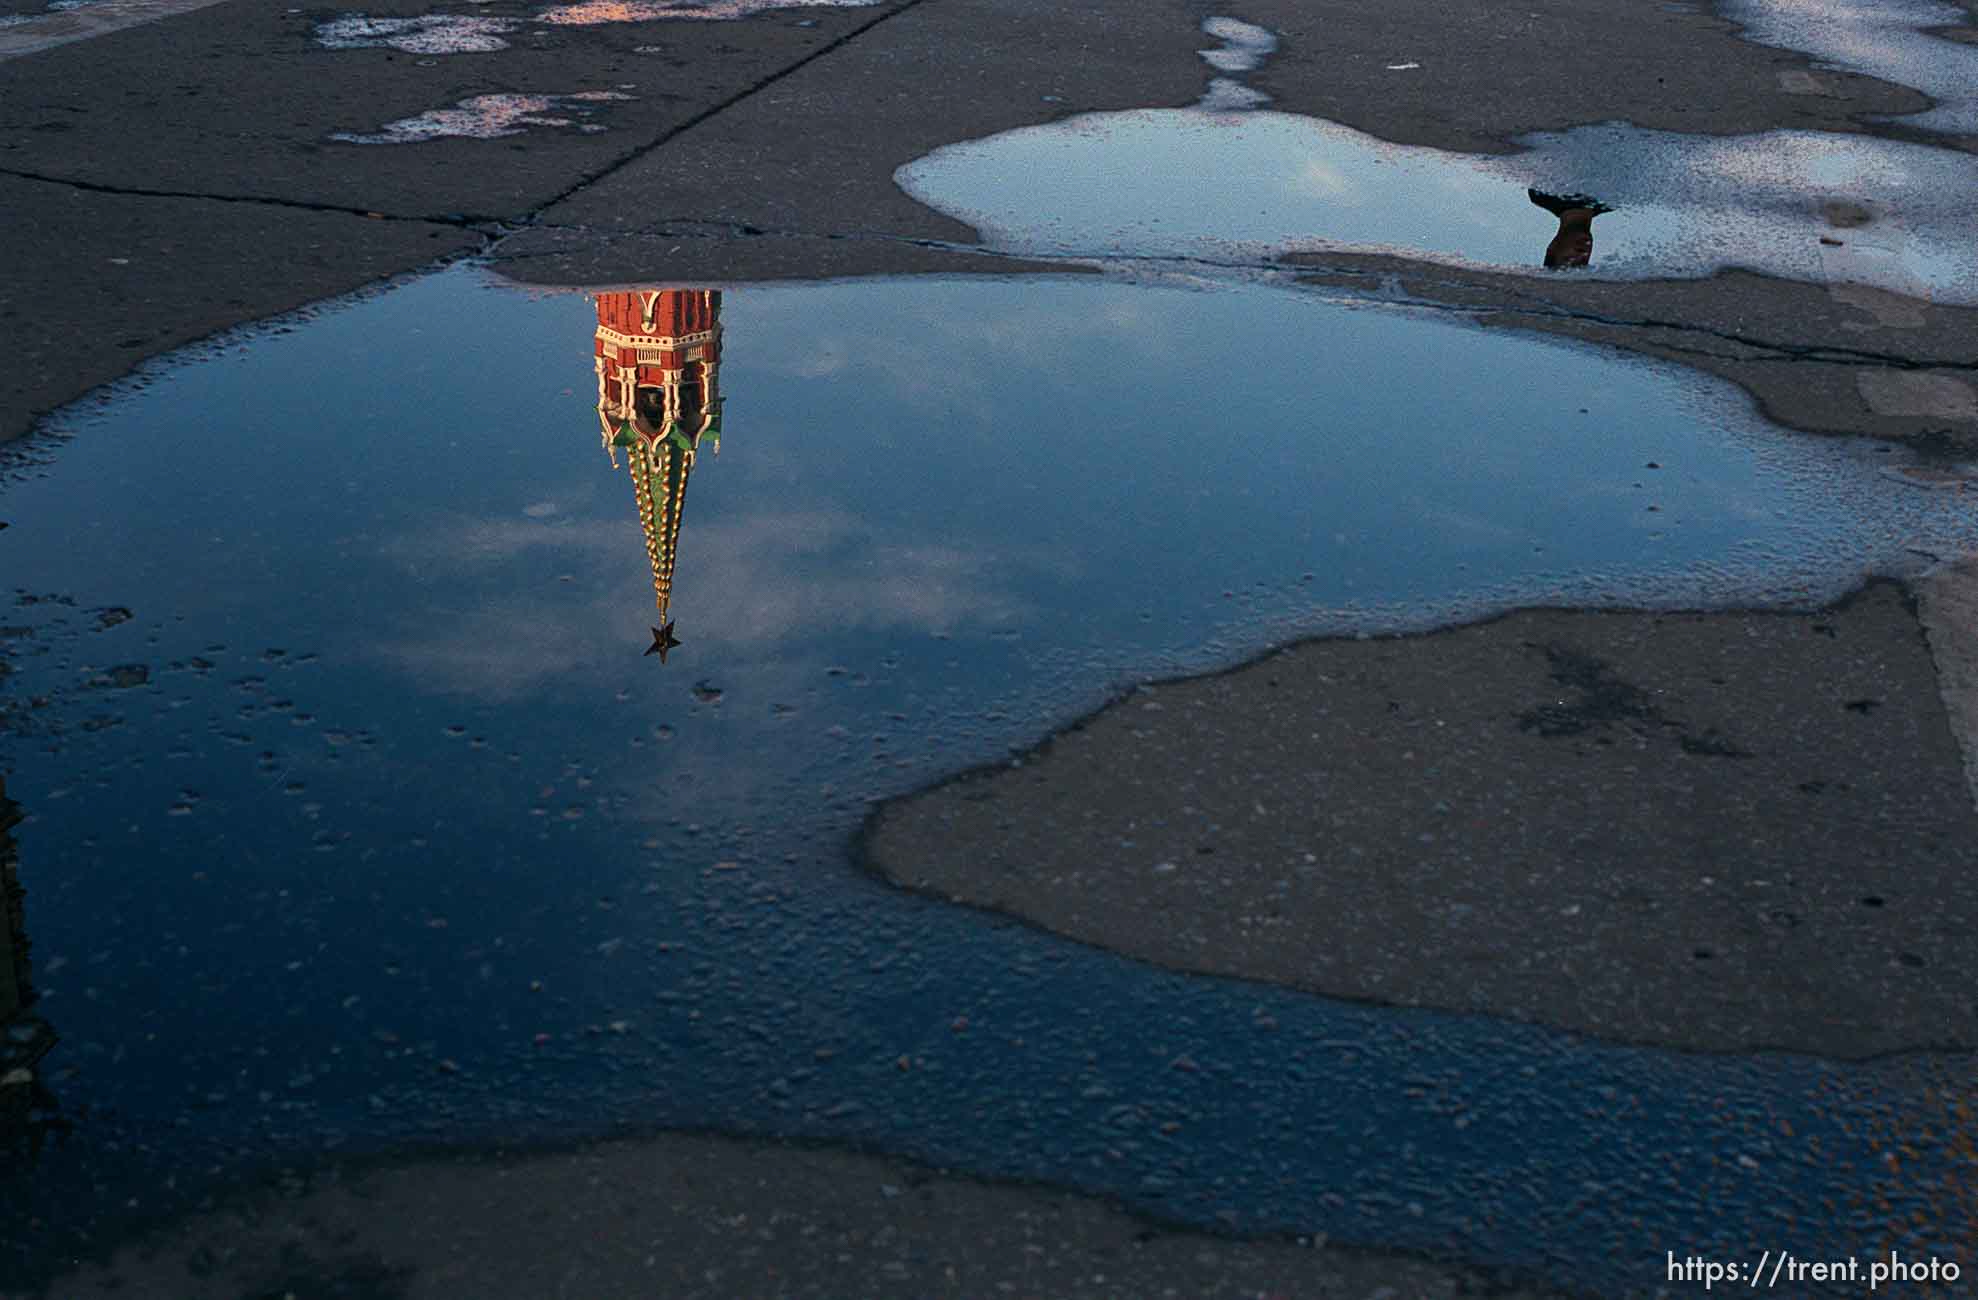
x=174, y=179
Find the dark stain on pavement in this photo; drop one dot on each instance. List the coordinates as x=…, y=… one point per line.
x=1605, y=700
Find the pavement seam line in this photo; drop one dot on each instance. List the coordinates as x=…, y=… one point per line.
x=713, y=110
x=463, y=220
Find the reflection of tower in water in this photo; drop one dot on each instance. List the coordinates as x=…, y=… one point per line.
x=658, y=354
x=1573, y=244
x=24, y=1038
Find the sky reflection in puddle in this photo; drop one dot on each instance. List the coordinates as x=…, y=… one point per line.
x=1187, y=182
x=399, y=831
x=490, y=117
x=591, y=12
x=470, y=34
x=422, y=34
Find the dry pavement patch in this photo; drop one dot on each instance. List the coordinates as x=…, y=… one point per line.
x=1728, y=831
x=686, y=1216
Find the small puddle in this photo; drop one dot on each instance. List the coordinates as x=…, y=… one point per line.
x=470, y=34
x=1886, y=39
x=425, y=34
x=593, y=12
x=441, y=743
x=1253, y=185
x=1244, y=48
x=489, y=117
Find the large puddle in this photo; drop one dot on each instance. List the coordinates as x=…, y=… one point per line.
x=362, y=808
x=1228, y=186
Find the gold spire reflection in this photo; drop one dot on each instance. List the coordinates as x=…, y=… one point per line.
x=1573, y=244
x=24, y=1038
x=658, y=357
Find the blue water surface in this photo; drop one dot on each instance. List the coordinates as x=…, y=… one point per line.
x=398, y=835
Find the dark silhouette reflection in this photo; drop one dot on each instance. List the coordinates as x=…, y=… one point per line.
x=1573, y=244
x=659, y=399
x=27, y=1109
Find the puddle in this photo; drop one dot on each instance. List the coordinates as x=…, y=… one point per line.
x=466, y=34
x=1244, y=45
x=425, y=34
x=1244, y=48
x=644, y=11
x=1220, y=182
x=1886, y=39
x=1244, y=186
x=365, y=807
x=489, y=117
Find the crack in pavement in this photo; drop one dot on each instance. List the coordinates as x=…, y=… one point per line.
x=463, y=220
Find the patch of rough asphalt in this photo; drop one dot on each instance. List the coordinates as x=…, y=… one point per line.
x=1726, y=831
x=688, y=1216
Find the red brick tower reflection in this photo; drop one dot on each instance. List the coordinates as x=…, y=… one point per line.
x=658, y=354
